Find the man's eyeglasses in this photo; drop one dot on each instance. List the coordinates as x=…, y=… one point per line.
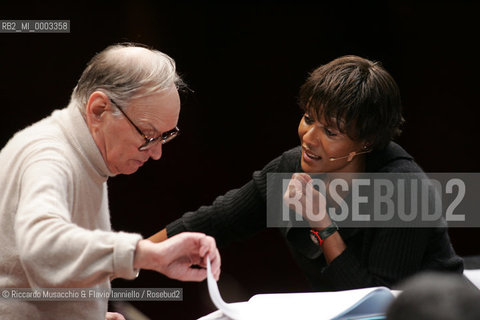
x=150, y=142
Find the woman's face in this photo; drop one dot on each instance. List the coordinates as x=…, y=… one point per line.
x=320, y=143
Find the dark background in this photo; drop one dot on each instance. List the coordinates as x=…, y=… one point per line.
x=245, y=63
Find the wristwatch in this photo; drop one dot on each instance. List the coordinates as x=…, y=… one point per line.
x=319, y=236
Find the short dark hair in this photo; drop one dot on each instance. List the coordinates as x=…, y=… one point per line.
x=356, y=95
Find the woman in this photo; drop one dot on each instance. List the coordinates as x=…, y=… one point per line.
x=352, y=112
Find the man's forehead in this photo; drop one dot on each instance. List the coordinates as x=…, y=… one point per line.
x=160, y=111
x=164, y=100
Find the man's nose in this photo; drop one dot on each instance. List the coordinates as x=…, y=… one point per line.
x=155, y=152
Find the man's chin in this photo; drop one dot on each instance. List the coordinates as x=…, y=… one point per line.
x=132, y=167
x=131, y=170
x=127, y=170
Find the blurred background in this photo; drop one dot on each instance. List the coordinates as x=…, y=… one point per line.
x=244, y=63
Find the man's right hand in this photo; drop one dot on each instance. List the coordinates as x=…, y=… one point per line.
x=177, y=256
x=114, y=316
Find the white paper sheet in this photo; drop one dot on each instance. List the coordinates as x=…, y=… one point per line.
x=320, y=305
x=227, y=309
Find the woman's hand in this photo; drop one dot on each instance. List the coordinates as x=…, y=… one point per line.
x=302, y=197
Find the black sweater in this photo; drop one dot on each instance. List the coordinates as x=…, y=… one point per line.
x=373, y=257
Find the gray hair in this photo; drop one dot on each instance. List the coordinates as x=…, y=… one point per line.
x=125, y=72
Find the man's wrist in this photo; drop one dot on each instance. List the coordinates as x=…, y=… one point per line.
x=140, y=260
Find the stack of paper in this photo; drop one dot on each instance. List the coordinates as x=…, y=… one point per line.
x=368, y=303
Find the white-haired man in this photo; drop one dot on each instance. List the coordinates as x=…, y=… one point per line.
x=54, y=217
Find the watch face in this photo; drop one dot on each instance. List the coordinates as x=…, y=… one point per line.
x=314, y=238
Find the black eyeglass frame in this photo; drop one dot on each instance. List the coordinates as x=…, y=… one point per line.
x=149, y=142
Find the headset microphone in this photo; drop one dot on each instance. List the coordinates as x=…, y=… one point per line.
x=350, y=156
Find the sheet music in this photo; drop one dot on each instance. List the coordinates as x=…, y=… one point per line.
x=280, y=306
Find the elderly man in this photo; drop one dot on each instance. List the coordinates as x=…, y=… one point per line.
x=54, y=216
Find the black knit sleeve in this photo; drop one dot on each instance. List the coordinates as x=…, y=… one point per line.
x=388, y=256
x=392, y=255
x=234, y=216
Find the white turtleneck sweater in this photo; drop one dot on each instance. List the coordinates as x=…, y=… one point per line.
x=54, y=219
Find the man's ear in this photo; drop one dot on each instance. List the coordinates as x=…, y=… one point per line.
x=97, y=104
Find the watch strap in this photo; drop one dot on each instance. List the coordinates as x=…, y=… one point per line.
x=323, y=234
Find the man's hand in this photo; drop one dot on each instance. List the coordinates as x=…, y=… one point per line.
x=114, y=316
x=312, y=204
x=182, y=257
